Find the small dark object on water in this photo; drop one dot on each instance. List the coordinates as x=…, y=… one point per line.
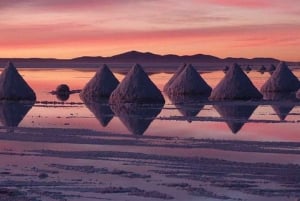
x=63, y=96
x=63, y=92
x=62, y=89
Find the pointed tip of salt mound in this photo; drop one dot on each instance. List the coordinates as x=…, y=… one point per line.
x=235, y=86
x=189, y=82
x=13, y=86
x=272, y=68
x=136, y=87
x=100, y=86
x=282, y=80
x=171, y=80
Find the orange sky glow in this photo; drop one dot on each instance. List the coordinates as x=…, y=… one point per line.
x=224, y=28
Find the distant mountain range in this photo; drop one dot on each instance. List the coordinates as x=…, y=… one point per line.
x=144, y=58
x=135, y=56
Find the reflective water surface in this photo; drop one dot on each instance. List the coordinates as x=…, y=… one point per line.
x=275, y=119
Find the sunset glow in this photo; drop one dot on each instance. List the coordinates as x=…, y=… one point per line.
x=224, y=28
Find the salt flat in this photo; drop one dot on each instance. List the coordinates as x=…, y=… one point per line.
x=77, y=164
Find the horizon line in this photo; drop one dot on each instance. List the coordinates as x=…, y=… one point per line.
x=144, y=52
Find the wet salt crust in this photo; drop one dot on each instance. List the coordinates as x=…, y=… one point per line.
x=118, y=167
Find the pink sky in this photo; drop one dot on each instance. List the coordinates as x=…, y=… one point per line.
x=224, y=28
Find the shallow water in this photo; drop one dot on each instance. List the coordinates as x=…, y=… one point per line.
x=263, y=121
x=50, y=152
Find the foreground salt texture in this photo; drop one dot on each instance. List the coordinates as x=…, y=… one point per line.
x=13, y=86
x=136, y=87
x=100, y=86
x=65, y=164
x=281, y=80
x=235, y=86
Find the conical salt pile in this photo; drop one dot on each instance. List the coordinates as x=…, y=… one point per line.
x=189, y=82
x=101, y=85
x=262, y=69
x=272, y=68
x=282, y=80
x=13, y=86
x=136, y=87
x=248, y=69
x=235, y=85
x=171, y=80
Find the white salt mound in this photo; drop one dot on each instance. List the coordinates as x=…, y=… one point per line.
x=178, y=71
x=136, y=87
x=101, y=85
x=13, y=86
x=262, y=69
x=272, y=68
x=235, y=86
x=248, y=69
x=189, y=82
x=282, y=80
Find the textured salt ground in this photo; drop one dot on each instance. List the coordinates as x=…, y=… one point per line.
x=121, y=167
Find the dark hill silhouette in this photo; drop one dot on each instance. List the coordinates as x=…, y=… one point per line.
x=135, y=57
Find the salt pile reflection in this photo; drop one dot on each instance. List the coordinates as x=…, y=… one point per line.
x=13, y=112
x=101, y=110
x=235, y=115
x=137, y=117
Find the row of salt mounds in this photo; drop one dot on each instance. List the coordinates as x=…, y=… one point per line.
x=136, y=87
x=188, y=82
x=13, y=86
x=100, y=86
x=235, y=85
x=282, y=80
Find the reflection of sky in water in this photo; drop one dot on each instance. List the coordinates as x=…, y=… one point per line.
x=79, y=116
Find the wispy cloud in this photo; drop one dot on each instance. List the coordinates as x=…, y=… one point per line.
x=240, y=27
